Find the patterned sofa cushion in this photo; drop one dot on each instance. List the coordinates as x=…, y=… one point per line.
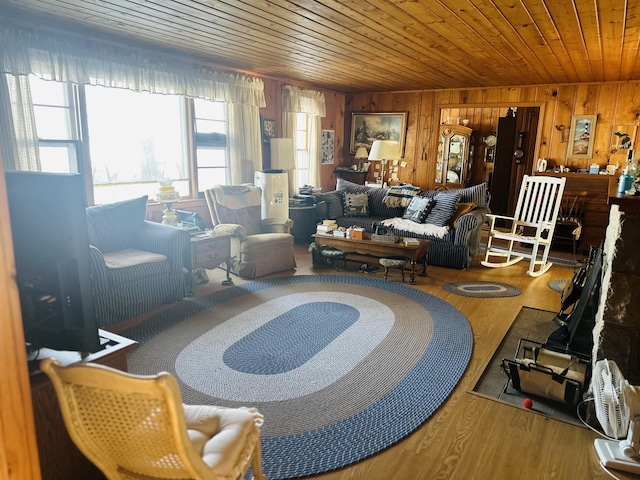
x=113, y=226
x=445, y=206
x=476, y=194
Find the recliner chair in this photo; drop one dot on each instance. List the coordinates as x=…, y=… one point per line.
x=258, y=246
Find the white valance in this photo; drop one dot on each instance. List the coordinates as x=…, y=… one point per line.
x=303, y=101
x=85, y=62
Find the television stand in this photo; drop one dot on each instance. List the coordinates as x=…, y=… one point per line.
x=59, y=457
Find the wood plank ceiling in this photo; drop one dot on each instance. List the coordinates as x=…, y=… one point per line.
x=374, y=45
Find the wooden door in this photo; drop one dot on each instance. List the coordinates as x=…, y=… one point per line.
x=513, y=157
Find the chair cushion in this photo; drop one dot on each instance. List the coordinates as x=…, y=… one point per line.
x=130, y=257
x=113, y=226
x=223, y=437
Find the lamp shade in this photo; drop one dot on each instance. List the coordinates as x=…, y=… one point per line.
x=361, y=153
x=384, y=150
x=282, y=154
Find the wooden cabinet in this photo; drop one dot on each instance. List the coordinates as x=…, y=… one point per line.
x=596, y=215
x=209, y=252
x=452, y=166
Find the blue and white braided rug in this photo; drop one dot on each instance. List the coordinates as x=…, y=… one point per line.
x=341, y=366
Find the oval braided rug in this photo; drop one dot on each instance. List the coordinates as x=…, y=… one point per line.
x=341, y=366
x=482, y=289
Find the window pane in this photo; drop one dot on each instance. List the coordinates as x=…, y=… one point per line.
x=208, y=109
x=45, y=92
x=53, y=123
x=212, y=157
x=108, y=193
x=135, y=138
x=301, y=121
x=208, y=177
x=58, y=158
x=211, y=126
x=301, y=140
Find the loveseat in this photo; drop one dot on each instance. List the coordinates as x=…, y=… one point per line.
x=453, y=221
x=136, y=265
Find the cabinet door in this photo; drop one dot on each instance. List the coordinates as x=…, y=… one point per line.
x=440, y=165
x=457, y=159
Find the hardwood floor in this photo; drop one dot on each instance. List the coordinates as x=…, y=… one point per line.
x=472, y=437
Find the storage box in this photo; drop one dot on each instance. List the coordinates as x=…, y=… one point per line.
x=340, y=233
x=383, y=238
x=357, y=233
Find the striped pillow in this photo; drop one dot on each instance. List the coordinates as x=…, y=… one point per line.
x=334, y=201
x=476, y=194
x=444, y=208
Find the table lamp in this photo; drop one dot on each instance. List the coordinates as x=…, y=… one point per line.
x=361, y=155
x=383, y=150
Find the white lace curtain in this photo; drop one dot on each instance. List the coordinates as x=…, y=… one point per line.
x=83, y=62
x=311, y=103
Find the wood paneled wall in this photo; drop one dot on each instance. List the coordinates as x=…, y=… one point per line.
x=616, y=104
x=334, y=120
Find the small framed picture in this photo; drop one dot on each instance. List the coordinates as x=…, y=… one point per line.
x=268, y=129
x=582, y=136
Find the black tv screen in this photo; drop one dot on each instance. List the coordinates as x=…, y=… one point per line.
x=51, y=245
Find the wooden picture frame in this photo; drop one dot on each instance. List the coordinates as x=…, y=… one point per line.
x=369, y=126
x=268, y=129
x=582, y=136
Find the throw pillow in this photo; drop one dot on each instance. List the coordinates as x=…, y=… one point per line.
x=335, y=207
x=418, y=209
x=356, y=204
x=443, y=209
x=461, y=209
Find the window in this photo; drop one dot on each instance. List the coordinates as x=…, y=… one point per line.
x=302, y=149
x=212, y=166
x=132, y=139
x=56, y=122
x=135, y=139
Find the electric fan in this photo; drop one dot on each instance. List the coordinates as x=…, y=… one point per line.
x=617, y=409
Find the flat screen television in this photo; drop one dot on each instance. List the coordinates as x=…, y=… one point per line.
x=51, y=245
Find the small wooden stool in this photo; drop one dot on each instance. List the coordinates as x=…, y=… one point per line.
x=336, y=255
x=388, y=263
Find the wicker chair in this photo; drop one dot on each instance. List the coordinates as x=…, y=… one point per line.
x=134, y=427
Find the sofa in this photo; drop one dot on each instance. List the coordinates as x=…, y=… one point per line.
x=136, y=265
x=452, y=220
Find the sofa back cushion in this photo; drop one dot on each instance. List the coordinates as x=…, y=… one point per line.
x=476, y=194
x=114, y=226
x=378, y=208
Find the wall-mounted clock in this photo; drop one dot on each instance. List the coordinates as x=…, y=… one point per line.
x=489, y=142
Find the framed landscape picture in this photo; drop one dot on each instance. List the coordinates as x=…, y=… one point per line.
x=369, y=126
x=581, y=136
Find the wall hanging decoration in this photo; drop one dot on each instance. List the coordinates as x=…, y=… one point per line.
x=328, y=146
x=369, y=126
x=581, y=136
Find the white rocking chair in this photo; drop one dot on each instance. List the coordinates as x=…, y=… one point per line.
x=532, y=224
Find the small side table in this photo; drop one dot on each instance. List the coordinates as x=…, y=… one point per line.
x=304, y=221
x=209, y=252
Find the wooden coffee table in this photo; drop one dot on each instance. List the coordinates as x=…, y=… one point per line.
x=380, y=250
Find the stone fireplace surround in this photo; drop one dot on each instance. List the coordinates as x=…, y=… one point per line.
x=616, y=334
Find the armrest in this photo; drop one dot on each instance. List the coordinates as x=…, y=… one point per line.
x=98, y=270
x=468, y=229
x=232, y=229
x=169, y=241
x=277, y=225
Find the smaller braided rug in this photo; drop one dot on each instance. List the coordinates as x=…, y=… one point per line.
x=479, y=289
x=559, y=285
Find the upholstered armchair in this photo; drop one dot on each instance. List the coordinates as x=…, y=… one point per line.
x=136, y=265
x=258, y=246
